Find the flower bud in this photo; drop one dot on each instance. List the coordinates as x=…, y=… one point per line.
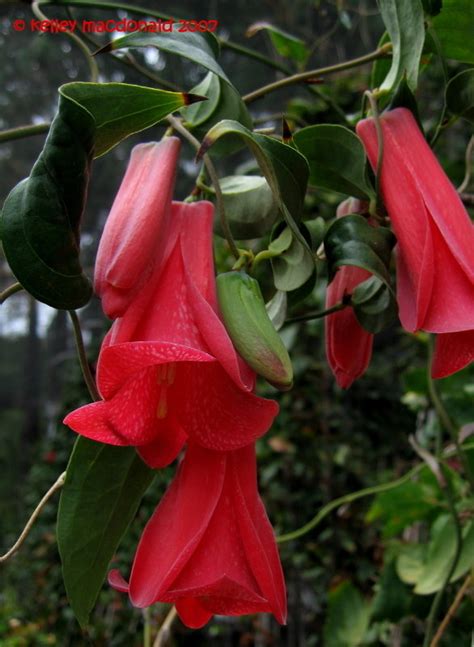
x=253, y=334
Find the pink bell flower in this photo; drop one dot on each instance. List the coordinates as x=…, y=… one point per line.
x=167, y=369
x=435, y=260
x=209, y=547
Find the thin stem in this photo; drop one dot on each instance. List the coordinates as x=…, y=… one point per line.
x=331, y=69
x=319, y=315
x=23, y=131
x=452, y=610
x=92, y=63
x=146, y=628
x=467, y=176
x=13, y=289
x=178, y=126
x=81, y=351
x=457, y=553
x=29, y=524
x=446, y=421
x=165, y=629
x=378, y=129
x=348, y=498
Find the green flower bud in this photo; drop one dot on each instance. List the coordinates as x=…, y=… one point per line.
x=249, y=326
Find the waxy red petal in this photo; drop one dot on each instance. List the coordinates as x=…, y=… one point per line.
x=135, y=232
x=209, y=546
x=453, y=351
x=348, y=345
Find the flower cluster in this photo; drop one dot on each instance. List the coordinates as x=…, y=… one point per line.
x=170, y=378
x=435, y=261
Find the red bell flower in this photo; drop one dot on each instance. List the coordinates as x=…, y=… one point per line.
x=167, y=369
x=136, y=229
x=348, y=345
x=209, y=547
x=435, y=261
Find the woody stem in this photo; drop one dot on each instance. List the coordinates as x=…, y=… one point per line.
x=36, y=512
x=381, y=52
x=178, y=126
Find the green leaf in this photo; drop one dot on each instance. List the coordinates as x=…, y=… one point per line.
x=200, y=48
x=285, y=170
x=104, y=486
x=285, y=44
x=454, y=27
x=441, y=551
x=352, y=241
x=250, y=206
x=293, y=265
x=224, y=102
x=404, y=22
x=374, y=304
x=410, y=562
x=121, y=109
x=460, y=95
x=42, y=214
x=392, y=598
x=277, y=308
x=336, y=158
x=404, y=505
x=348, y=617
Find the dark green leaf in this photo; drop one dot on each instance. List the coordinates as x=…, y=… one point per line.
x=120, y=109
x=347, y=618
x=41, y=216
x=454, y=27
x=374, y=305
x=104, y=486
x=392, y=598
x=249, y=204
x=284, y=168
x=200, y=48
x=285, y=44
x=432, y=7
x=336, y=158
x=404, y=22
x=352, y=241
x=317, y=229
x=460, y=95
x=410, y=502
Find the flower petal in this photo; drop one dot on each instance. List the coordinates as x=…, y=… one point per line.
x=453, y=351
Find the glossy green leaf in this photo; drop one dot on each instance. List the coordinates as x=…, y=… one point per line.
x=336, y=158
x=224, y=102
x=250, y=206
x=460, y=95
x=104, y=486
x=347, y=617
x=352, y=241
x=374, y=304
x=454, y=27
x=42, y=214
x=285, y=44
x=121, y=109
x=200, y=48
x=441, y=551
x=409, y=563
x=404, y=22
x=285, y=170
